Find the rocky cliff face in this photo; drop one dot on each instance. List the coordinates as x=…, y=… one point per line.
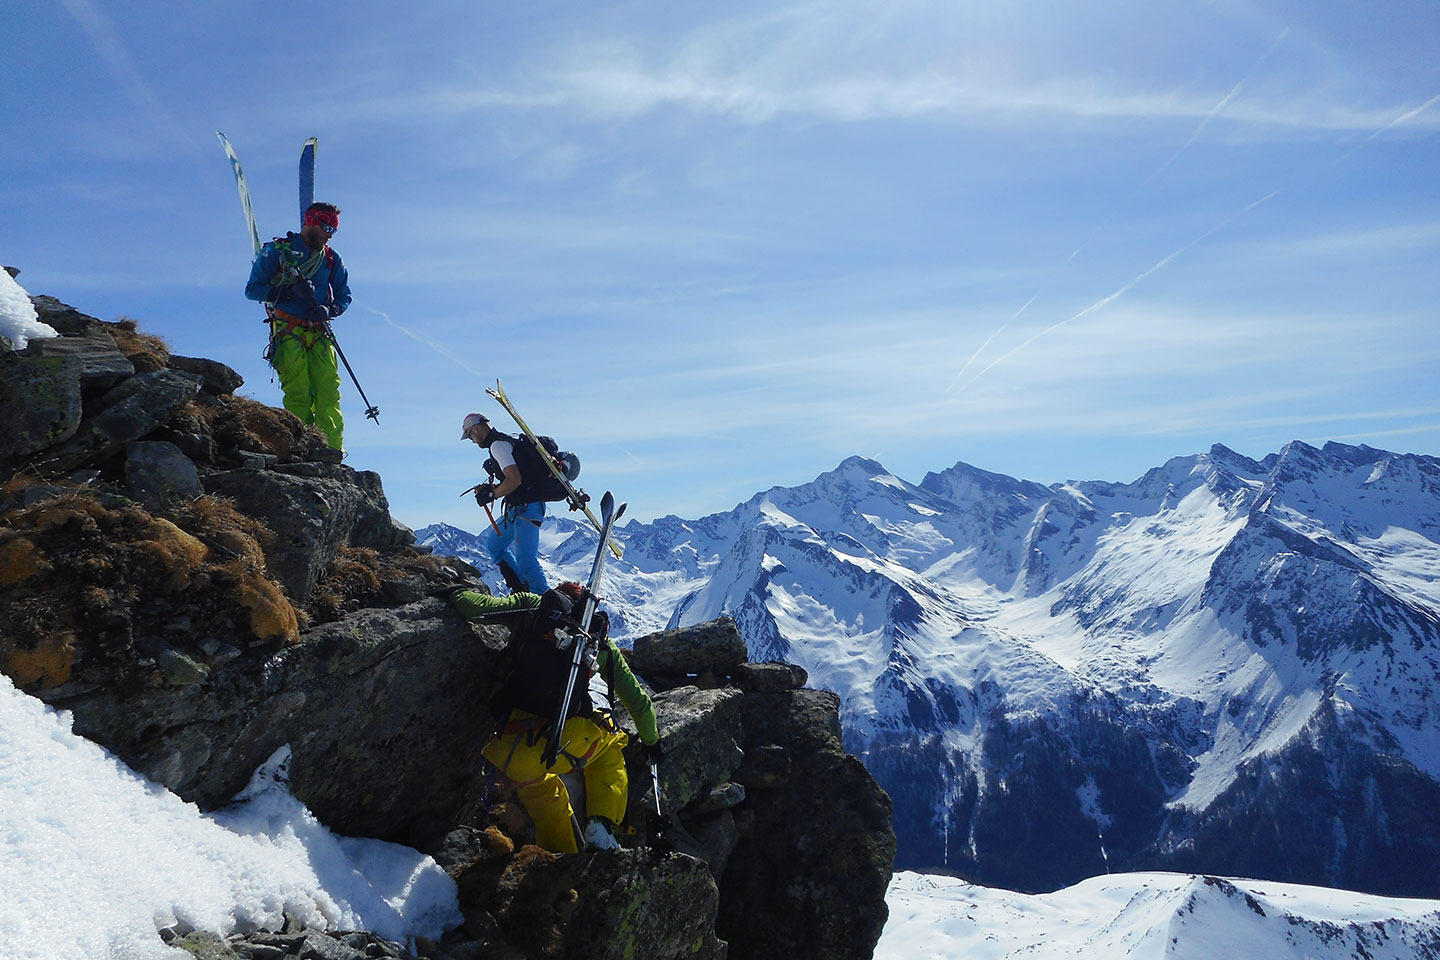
x=199, y=580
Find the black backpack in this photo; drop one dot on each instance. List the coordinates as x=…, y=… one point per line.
x=536, y=480
x=535, y=667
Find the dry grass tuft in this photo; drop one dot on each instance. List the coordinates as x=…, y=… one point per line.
x=146, y=351
x=272, y=616
x=176, y=551
x=245, y=424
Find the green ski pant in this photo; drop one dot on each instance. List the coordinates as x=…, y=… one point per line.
x=310, y=380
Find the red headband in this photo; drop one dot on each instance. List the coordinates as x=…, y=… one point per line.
x=321, y=218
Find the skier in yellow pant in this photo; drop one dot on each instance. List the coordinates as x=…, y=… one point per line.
x=305, y=285
x=590, y=741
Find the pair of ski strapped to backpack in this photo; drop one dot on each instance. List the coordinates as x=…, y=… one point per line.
x=536, y=480
x=558, y=637
x=575, y=497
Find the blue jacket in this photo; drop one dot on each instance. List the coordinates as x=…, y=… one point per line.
x=331, y=281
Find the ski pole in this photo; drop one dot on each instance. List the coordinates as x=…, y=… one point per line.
x=371, y=411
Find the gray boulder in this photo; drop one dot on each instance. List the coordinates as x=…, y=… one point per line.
x=158, y=475
x=808, y=878
x=39, y=402
x=152, y=400
x=715, y=647
x=218, y=378
x=102, y=365
x=638, y=907
x=770, y=677
x=66, y=320
x=700, y=732
x=313, y=509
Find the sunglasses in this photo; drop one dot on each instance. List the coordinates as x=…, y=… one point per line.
x=329, y=230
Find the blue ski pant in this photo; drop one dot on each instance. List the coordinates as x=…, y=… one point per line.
x=517, y=542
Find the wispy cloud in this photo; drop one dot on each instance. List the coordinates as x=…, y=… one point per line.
x=1399, y=432
x=108, y=44
x=861, y=62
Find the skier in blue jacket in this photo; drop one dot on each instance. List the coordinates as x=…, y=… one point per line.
x=306, y=285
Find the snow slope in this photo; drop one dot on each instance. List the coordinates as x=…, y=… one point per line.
x=1150, y=916
x=96, y=859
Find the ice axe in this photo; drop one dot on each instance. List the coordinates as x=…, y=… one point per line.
x=493, y=525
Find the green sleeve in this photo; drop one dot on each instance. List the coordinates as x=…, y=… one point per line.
x=474, y=605
x=613, y=665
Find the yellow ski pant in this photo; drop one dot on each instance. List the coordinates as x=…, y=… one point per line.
x=592, y=746
x=310, y=379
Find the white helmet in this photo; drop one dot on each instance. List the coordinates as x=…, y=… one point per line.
x=569, y=465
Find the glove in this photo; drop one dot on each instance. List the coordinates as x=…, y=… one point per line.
x=301, y=290
x=318, y=315
x=484, y=494
x=653, y=753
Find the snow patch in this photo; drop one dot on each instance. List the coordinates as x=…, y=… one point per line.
x=19, y=322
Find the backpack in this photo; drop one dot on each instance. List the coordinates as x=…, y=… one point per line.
x=536, y=665
x=536, y=480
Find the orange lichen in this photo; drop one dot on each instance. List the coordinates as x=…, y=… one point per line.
x=47, y=665
x=20, y=559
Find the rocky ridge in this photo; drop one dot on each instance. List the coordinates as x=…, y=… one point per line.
x=199, y=579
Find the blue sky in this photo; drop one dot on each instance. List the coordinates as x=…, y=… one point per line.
x=715, y=248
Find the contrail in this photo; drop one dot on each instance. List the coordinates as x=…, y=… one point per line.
x=439, y=348
x=1224, y=101
x=1106, y=301
x=1407, y=115
x=1215, y=111
x=976, y=355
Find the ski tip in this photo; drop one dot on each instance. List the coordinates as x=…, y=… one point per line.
x=620, y=510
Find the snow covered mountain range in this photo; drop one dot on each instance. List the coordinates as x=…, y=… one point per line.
x=1226, y=666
